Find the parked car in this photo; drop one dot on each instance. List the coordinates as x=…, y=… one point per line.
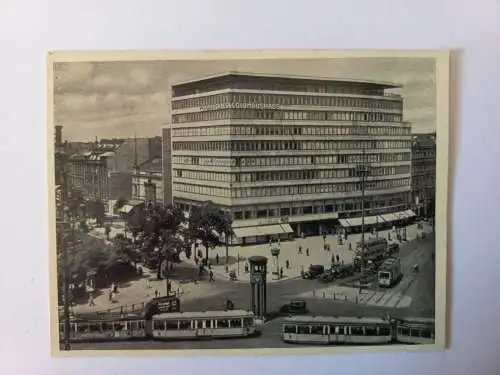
x=343, y=270
x=327, y=276
x=315, y=270
x=297, y=306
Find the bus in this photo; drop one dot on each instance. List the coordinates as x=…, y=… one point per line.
x=416, y=331
x=206, y=324
x=336, y=330
x=374, y=252
x=389, y=273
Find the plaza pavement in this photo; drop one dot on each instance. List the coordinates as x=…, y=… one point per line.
x=289, y=251
x=137, y=291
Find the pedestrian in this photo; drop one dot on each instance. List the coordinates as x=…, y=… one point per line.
x=217, y=259
x=350, y=246
x=169, y=287
x=156, y=293
x=300, y=249
x=287, y=264
x=281, y=272
x=338, y=258
x=246, y=267
x=307, y=252
x=211, y=276
x=91, y=300
x=110, y=295
x=333, y=258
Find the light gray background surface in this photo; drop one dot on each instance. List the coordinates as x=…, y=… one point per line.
x=28, y=29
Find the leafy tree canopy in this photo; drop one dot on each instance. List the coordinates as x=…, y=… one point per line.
x=208, y=222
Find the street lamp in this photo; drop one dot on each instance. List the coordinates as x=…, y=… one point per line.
x=362, y=170
x=66, y=286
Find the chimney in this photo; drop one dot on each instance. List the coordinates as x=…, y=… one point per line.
x=58, y=136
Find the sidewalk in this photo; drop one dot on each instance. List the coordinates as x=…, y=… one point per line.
x=289, y=251
x=137, y=292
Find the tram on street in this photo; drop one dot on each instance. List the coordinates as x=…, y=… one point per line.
x=374, y=251
x=206, y=324
x=105, y=329
x=389, y=273
x=416, y=331
x=336, y=330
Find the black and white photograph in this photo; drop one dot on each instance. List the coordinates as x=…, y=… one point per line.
x=248, y=201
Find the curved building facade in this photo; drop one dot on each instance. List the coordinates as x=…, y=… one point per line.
x=283, y=153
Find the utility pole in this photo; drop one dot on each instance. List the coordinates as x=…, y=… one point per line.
x=363, y=170
x=65, y=245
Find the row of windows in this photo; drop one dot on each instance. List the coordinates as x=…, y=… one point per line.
x=376, y=207
x=292, y=130
x=293, y=160
x=287, y=175
x=304, y=329
x=290, y=190
x=380, y=203
x=254, y=114
x=293, y=85
x=279, y=100
x=200, y=324
x=428, y=154
x=427, y=169
x=287, y=145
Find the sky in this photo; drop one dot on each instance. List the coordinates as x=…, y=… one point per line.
x=119, y=99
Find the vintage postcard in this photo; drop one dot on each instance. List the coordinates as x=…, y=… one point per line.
x=248, y=202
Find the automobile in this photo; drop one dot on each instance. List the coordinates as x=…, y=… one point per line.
x=327, y=276
x=343, y=270
x=296, y=306
x=315, y=270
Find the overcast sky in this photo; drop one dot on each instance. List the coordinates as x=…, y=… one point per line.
x=116, y=99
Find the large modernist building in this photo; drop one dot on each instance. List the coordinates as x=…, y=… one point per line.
x=423, y=173
x=284, y=153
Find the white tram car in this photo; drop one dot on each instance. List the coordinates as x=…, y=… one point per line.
x=336, y=330
x=207, y=324
x=416, y=331
x=105, y=330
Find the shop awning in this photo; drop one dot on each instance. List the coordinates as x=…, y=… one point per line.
x=387, y=217
x=267, y=230
x=356, y=221
x=409, y=214
x=344, y=223
x=263, y=230
x=246, y=232
x=126, y=208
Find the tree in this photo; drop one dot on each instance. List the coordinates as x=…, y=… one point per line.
x=207, y=223
x=125, y=249
x=96, y=209
x=161, y=227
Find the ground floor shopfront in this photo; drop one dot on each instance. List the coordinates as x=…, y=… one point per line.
x=290, y=229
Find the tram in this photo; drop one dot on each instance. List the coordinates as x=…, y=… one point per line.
x=416, y=331
x=165, y=326
x=208, y=324
x=336, y=330
x=357, y=331
x=105, y=330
